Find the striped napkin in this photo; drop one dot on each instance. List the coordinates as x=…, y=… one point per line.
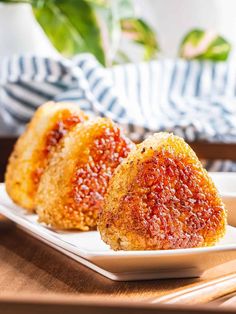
x=195, y=100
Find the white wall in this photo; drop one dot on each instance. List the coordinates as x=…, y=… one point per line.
x=173, y=18
x=19, y=32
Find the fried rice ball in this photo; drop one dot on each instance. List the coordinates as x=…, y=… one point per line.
x=72, y=189
x=161, y=198
x=35, y=147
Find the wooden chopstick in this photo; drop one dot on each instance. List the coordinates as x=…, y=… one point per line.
x=200, y=293
x=229, y=301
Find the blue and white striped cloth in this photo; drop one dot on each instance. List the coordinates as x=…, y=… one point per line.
x=196, y=100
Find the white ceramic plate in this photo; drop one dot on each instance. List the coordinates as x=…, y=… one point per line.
x=88, y=249
x=226, y=184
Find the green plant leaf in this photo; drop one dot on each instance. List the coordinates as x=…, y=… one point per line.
x=141, y=33
x=17, y=1
x=200, y=44
x=72, y=26
x=100, y=3
x=109, y=15
x=123, y=8
x=94, y=26
x=120, y=58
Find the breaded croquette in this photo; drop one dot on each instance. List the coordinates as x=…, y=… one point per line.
x=72, y=188
x=35, y=147
x=160, y=197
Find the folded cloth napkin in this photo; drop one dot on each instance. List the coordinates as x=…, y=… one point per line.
x=196, y=100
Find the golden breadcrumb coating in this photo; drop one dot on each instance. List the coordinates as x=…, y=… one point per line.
x=35, y=147
x=72, y=188
x=160, y=197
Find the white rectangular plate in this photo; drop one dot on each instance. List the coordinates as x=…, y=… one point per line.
x=88, y=249
x=226, y=184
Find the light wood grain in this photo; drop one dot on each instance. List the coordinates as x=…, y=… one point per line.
x=27, y=265
x=61, y=304
x=230, y=302
x=34, y=278
x=31, y=272
x=199, y=293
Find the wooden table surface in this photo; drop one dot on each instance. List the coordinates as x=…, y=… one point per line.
x=30, y=267
x=32, y=270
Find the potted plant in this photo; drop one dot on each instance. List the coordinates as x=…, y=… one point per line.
x=73, y=26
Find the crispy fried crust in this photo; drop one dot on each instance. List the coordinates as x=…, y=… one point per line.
x=72, y=188
x=35, y=147
x=160, y=197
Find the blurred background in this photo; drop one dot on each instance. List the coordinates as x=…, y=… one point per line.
x=118, y=31
x=164, y=65
x=173, y=19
